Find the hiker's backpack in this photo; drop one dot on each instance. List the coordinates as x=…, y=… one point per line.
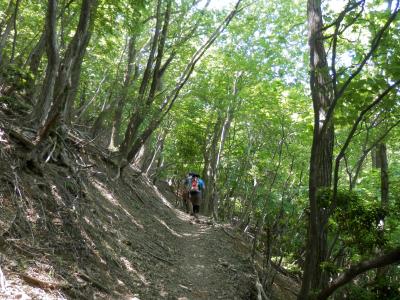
x=194, y=187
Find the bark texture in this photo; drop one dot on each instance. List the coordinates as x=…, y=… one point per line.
x=320, y=174
x=7, y=24
x=68, y=74
x=47, y=91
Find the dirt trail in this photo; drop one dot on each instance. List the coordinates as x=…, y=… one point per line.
x=207, y=266
x=69, y=230
x=88, y=237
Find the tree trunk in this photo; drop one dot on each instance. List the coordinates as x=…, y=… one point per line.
x=33, y=62
x=379, y=161
x=68, y=72
x=84, y=103
x=221, y=131
x=36, y=54
x=10, y=16
x=144, y=155
x=320, y=174
x=142, y=106
x=384, y=176
x=149, y=164
x=7, y=14
x=15, y=30
x=141, y=139
x=46, y=95
x=384, y=196
x=117, y=120
x=133, y=139
x=72, y=87
x=99, y=123
x=210, y=169
x=78, y=46
x=325, y=96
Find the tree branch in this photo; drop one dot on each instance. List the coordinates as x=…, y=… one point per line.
x=355, y=270
x=351, y=134
x=375, y=43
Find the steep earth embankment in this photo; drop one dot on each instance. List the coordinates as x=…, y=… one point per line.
x=68, y=231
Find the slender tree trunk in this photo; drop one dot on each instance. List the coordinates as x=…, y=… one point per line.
x=10, y=16
x=133, y=140
x=36, y=54
x=144, y=155
x=72, y=87
x=141, y=139
x=149, y=163
x=33, y=62
x=107, y=106
x=376, y=163
x=221, y=131
x=87, y=22
x=141, y=107
x=7, y=14
x=99, y=123
x=63, y=22
x=379, y=161
x=320, y=174
x=375, y=158
x=84, y=104
x=209, y=173
x=216, y=161
x=46, y=95
x=15, y=31
x=384, y=196
x=117, y=120
x=384, y=176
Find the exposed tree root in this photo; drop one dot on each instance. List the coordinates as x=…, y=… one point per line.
x=43, y=284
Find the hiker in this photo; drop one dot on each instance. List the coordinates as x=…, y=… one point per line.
x=194, y=185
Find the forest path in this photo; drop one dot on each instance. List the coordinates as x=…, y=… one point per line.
x=207, y=264
x=73, y=232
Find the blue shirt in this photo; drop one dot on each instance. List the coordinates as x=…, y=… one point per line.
x=201, y=184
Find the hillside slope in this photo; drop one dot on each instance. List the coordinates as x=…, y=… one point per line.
x=68, y=231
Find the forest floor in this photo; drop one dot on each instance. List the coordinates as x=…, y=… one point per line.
x=68, y=230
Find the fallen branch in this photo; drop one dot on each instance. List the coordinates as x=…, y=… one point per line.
x=43, y=284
